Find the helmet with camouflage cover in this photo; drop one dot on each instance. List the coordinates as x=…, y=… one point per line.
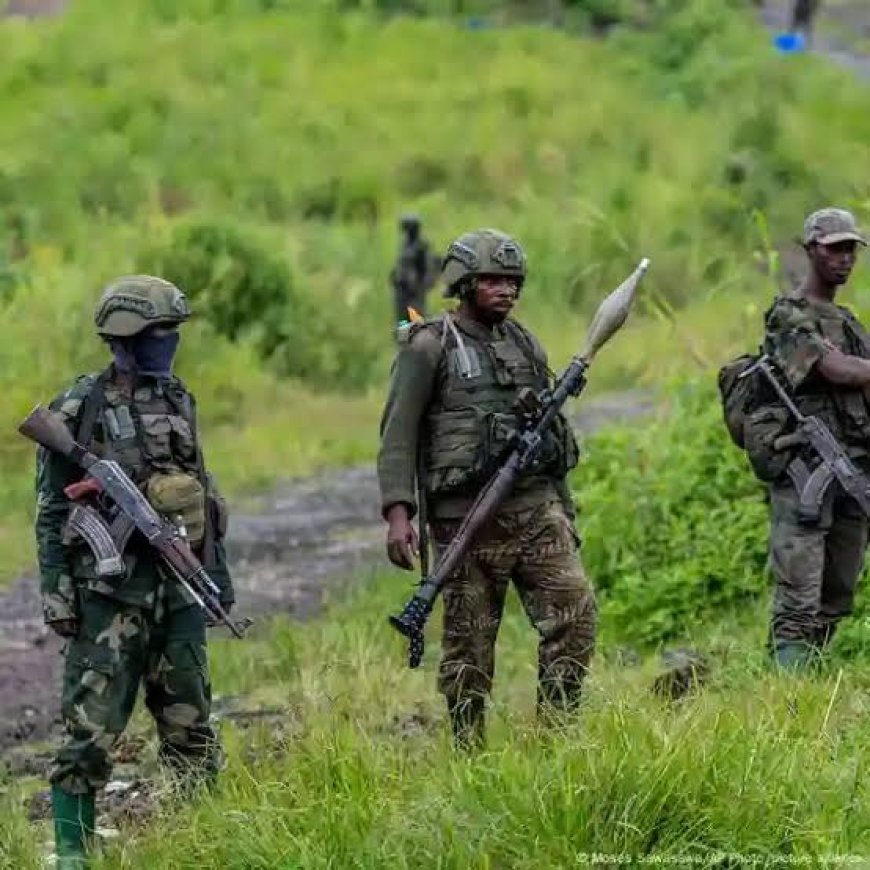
x=482, y=252
x=134, y=302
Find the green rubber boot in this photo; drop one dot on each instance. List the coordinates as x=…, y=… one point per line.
x=794, y=656
x=74, y=825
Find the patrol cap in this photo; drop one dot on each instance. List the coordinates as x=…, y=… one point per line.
x=134, y=302
x=828, y=226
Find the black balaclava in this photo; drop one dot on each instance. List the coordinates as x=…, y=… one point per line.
x=146, y=353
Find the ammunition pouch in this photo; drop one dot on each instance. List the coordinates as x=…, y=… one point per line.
x=467, y=447
x=181, y=499
x=763, y=431
x=217, y=511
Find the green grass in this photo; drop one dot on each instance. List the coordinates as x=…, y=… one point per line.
x=355, y=768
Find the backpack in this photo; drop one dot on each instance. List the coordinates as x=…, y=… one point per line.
x=740, y=395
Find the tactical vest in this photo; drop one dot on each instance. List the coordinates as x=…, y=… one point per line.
x=151, y=431
x=472, y=422
x=843, y=409
x=152, y=435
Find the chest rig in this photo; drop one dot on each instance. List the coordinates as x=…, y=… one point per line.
x=147, y=427
x=473, y=419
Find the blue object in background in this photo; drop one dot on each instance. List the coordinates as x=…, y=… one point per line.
x=476, y=23
x=787, y=43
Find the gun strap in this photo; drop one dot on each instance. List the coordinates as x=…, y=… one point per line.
x=91, y=409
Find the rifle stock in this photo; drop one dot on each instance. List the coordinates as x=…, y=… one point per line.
x=609, y=318
x=49, y=431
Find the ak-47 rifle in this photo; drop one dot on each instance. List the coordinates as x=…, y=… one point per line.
x=835, y=461
x=48, y=429
x=608, y=319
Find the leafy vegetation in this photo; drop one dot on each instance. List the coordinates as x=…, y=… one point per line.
x=285, y=140
x=259, y=152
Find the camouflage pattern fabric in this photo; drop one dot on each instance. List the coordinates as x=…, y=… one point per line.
x=118, y=646
x=459, y=399
x=798, y=331
x=537, y=548
x=147, y=433
x=816, y=567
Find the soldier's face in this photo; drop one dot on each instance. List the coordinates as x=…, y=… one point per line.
x=834, y=263
x=495, y=297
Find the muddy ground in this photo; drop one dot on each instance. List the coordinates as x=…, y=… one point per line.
x=288, y=549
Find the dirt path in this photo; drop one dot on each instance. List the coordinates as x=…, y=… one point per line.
x=288, y=550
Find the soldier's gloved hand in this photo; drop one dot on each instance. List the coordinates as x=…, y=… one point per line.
x=403, y=545
x=64, y=627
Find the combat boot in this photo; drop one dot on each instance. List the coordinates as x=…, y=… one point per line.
x=74, y=825
x=468, y=720
x=794, y=655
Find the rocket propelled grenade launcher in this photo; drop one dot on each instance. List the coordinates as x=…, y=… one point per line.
x=609, y=318
x=48, y=429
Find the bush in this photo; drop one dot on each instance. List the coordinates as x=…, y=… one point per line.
x=674, y=523
x=246, y=292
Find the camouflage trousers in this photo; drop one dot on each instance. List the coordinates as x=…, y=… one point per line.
x=119, y=646
x=537, y=548
x=815, y=567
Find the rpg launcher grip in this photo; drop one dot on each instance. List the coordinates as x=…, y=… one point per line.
x=608, y=319
x=49, y=431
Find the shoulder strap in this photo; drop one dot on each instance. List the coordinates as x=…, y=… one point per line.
x=92, y=407
x=527, y=345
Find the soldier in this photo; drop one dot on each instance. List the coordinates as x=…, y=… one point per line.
x=413, y=273
x=824, y=354
x=140, y=627
x=803, y=13
x=452, y=397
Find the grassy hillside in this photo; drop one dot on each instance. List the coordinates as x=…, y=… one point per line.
x=302, y=133
x=352, y=768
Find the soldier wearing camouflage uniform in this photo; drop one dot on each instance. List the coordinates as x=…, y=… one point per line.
x=824, y=354
x=412, y=275
x=140, y=626
x=448, y=421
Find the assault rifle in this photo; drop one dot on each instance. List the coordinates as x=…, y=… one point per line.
x=835, y=462
x=537, y=419
x=134, y=512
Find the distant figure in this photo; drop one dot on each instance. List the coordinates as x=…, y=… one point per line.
x=803, y=14
x=415, y=270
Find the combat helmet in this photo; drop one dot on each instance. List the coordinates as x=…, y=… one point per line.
x=410, y=221
x=482, y=252
x=134, y=302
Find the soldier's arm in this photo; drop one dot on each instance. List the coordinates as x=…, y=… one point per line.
x=843, y=369
x=53, y=474
x=412, y=382
x=795, y=341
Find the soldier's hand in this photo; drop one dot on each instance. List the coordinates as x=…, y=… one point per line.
x=402, y=542
x=65, y=627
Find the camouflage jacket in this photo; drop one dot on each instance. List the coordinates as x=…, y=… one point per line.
x=451, y=403
x=156, y=433
x=796, y=332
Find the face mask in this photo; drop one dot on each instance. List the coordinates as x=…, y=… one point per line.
x=153, y=354
x=146, y=354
